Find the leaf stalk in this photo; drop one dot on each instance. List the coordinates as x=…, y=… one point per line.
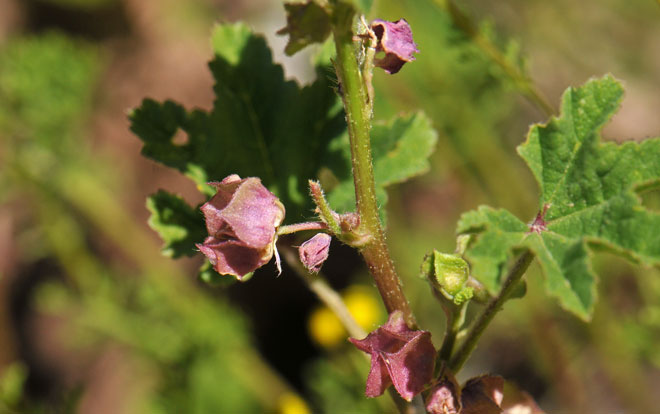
x=479, y=326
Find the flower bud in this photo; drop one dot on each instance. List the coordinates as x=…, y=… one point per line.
x=395, y=39
x=241, y=220
x=314, y=252
x=450, y=274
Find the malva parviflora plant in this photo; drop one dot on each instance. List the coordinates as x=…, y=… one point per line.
x=257, y=154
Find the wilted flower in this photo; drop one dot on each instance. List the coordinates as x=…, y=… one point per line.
x=315, y=251
x=399, y=356
x=480, y=395
x=444, y=397
x=241, y=220
x=483, y=395
x=395, y=39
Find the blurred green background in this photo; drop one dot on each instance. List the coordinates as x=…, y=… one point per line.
x=93, y=318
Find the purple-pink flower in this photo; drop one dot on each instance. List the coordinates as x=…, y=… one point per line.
x=315, y=251
x=395, y=39
x=241, y=220
x=399, y=356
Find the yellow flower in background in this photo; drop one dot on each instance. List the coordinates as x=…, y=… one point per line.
x=289, y=403
x=364, y=306
x=326, y=329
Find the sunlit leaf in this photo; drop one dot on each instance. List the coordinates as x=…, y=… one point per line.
x=588, y=199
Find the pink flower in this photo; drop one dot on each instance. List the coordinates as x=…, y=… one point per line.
x=314, y=251
x=399, y=356
x=395, y=39
x=241, y=220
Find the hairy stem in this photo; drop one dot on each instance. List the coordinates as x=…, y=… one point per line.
x=358, y=117
x=294, y=228
x=487, y=315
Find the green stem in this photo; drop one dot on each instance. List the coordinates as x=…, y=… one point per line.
x=358, y=117
x=487, y=315
x=325, y=212
x=294, y=228
x=455, y=320
x=522, y=82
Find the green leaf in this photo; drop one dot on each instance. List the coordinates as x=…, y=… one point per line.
x=400, y=150
x=178, y=224
x=260, y=125
x=306, y=23
x=588, y=199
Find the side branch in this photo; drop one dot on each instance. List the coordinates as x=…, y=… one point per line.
x=470, y=343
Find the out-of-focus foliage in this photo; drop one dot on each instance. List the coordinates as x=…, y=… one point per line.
x=182, y=343
x=335, y=387
x=186, y=349
x=46, y=87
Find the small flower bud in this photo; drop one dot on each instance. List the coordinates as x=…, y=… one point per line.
x=450, y=274
x=314, y=252
x=395, y=39
x=241, y=220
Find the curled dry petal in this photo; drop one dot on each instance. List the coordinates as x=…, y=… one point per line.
x=480, y=395
x=399, y=356
x=483, y=395
x=395, y=39
x=315, y=251
x=241, y=220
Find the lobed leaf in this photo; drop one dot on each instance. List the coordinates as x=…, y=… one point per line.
x=588, y=198
x=260, y=125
